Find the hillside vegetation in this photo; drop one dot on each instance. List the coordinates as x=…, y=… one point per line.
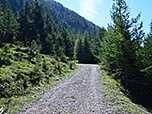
x=25, y=72
x=23, y=69
x=61, y=15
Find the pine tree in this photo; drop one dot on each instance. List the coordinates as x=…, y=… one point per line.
x=49, y=45
x=147, y=51
x=69, y=48
x=79, y=50
x=50, y=26
x=87, y=55
x=37, y=18
x=59, y=46
x=67, y=43
x=111, y=51
x=49, y=34
x=25, y=28
x=1, y=25
x=120, y=15
x=97, y=45
x=10, y=25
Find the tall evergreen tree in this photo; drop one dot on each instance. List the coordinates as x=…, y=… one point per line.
x=67, y=43
x=49, y=24
x=79, y=50
x=49, y=36
x=37, y=18
x=1, y=25
x=122, y=25
x=49, y=45
x=147, y=51
x=87, y=55
x=25, y=24
x=97, y=44
x=10, y=25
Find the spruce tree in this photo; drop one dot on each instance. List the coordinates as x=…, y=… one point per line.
x=10, y=25
x=37, y=19
x=67, y=43
x=97, y=43
x=25, y=27
x=122, y=25
x=87, y=55
x=50, y=26
x=79, y=50
x=1, y=25
x=69, y=47
x=147, y=51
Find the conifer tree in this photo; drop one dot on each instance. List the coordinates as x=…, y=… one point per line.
x=97, y=48
x=67, y=43
x=37, y=18
x=147, y=51
x=25, y=24
x=79, y=50
x=10, y=25
x=48, y=47
x=69, y=47
x=50, y=26
x=122, y=25
x=87, y=55
x=1, y=25
x=49, y=36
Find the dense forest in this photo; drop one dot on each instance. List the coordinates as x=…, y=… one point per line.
x=26, y=39
x=61, y=15
x=123, y=50
x=35, y=25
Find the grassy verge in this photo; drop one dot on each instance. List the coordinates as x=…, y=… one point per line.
x=15, y=103
x=26, y=74
x=117, y=99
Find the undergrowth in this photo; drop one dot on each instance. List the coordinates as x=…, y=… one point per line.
x=25, y=74
x=118, y=100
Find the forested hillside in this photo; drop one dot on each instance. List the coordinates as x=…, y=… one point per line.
x=16, y=5
x=23, y=42
x=34, y=32
x=61, y=15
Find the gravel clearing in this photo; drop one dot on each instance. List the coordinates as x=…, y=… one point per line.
x=81, y=93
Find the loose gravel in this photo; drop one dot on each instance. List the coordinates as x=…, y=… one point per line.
x=81, y=93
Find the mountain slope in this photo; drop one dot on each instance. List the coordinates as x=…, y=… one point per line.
x=61, y=15
x=68, y=17
x=15, y=4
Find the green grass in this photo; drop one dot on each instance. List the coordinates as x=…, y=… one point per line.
x=17, y=102
x=25, y=75
x=118, y=100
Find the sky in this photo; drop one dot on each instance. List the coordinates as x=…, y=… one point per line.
x=98, y=11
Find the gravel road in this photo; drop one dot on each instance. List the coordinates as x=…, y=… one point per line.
x=81, y=93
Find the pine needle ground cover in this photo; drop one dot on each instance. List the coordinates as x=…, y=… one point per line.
x=26, y=74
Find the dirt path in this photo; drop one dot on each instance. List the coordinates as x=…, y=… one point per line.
x=80, y=93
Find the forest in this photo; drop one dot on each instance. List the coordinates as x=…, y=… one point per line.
x=123, y=49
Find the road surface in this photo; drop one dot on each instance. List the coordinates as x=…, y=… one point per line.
x=81, y=93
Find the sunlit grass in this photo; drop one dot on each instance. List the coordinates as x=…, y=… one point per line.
x=117, y=99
